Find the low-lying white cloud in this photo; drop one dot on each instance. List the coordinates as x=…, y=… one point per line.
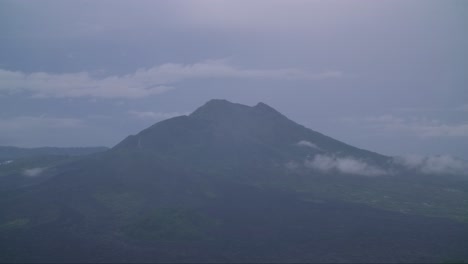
x=305, y=143
x=142, y=83
x=347, y=165
x=442, y=164
x=33, y=172
x=431, y=165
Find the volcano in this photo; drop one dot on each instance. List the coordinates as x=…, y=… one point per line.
x=233, y=183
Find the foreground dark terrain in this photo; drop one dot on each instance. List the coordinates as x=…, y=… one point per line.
x=227, y=184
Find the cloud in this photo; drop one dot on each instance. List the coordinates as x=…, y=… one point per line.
x=433, y=165
x=149, y=115
x=141, y=83
x=73, y=85
x=33, y=172
x=305, y=143
x=442, y=164
x=422, y=127
x=346, y=165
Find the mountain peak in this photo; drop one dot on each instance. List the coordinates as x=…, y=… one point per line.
x=218, y=102
x=219, y=108
x=265, y=108
x=262, y=104
x=225, y=111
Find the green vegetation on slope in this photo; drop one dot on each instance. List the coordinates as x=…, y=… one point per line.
x=168, y=224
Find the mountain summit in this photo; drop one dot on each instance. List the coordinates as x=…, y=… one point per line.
x=219, y=109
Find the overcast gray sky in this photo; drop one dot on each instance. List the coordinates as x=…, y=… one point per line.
x=388, y=76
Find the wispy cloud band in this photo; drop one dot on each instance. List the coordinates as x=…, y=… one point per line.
x=141, y=83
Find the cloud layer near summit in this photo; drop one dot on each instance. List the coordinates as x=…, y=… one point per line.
x=143, y=82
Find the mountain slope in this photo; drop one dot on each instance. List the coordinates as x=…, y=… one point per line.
x=215, y=186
